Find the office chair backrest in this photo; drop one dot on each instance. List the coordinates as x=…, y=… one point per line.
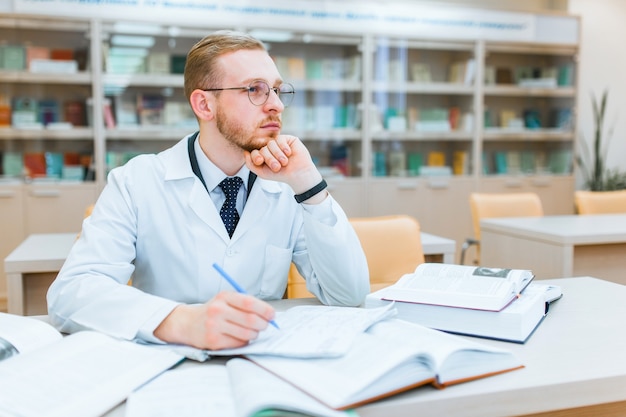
x=490, y=205
x=392, y=246
x=600, y=202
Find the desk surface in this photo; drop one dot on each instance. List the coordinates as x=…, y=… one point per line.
x=569, y=229
x=574, y=359
x=40, y=253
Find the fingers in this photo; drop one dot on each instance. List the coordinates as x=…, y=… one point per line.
x=275, y=154
x=233, y=319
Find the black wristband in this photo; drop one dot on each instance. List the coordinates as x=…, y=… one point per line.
x=310, y=193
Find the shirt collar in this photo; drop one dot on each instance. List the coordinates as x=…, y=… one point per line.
x=212, y=174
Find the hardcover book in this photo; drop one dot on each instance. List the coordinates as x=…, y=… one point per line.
x=479, y=288
x=515, y=323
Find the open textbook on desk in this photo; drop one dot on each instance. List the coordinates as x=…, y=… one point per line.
x=389, y=357
x=43, y=374
x=463, y=286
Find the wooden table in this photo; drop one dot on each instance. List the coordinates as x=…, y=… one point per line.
x=558, y=246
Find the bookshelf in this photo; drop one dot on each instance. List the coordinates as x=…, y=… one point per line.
x=396, y=123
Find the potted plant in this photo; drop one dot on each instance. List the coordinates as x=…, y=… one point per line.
x=593, y=162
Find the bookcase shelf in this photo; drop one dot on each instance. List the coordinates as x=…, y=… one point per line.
x=372, y=108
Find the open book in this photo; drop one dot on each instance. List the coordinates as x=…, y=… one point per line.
x=43, y=374
x=391, y=357
x=514, y=323
x=460, y=286
x=239, y=389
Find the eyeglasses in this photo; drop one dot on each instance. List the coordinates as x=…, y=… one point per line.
x=259, y=92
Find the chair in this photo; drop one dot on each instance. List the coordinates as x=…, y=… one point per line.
x=600, y=202
x=392, y=246
x=489, y=205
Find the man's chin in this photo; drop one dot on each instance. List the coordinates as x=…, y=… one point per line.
x=258, y=143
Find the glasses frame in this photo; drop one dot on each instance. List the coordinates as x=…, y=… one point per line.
x=249, y=88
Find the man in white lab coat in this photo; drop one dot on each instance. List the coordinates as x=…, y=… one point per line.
x=158, y=219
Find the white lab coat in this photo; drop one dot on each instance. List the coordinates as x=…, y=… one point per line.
x=154, y=221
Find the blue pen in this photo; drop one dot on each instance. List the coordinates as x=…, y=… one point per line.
x=236, y=286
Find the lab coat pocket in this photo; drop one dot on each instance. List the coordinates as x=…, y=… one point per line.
x=275, y=271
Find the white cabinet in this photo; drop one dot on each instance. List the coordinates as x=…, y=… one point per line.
x=12, y=227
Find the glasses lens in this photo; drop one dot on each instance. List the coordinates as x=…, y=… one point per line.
x=258, y=92
x=286, y=93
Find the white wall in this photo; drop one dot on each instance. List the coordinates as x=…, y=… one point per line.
x=603, y=66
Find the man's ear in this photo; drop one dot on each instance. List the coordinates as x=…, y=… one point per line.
x=202, y=104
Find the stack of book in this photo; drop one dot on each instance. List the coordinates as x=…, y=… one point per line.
x=491, y=303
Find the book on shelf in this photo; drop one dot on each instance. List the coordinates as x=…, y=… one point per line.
x=500, y=162
x=560, y=161
x=460, y=163
x=565, y=75
x=12, y=164
x=35, y=164
x=177, y=64
x=13, y=57
x=62, y=54
x=514, y=162
x=150, y=109
x=506, y=116
x=296, y=68
x=5, y=111
x=397, y=163
x=84, y=374
x=415, y=162
x=36, y=53
x=532, y=119
x=562, y=118
x=49, y=111
x=515, y=323
x=340, y=158
x=464, y=286
x=462, y=72
x=527, y=161
x=75, y=112
x=158, y=63
x=504, y=75
x=436, y=159
x=25, y=112
x=420, y=72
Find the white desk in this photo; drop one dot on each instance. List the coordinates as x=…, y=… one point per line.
x=574, y=360
x=558, y=246
x=438, y=249
x=32, y=267
x=34, y=264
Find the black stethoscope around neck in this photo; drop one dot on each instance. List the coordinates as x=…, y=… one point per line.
x=196, y=168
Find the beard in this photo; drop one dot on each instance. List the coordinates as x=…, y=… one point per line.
x=240, y=136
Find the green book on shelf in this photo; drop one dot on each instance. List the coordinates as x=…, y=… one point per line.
x=527, y=162
x=12, y=164
x=560, y=161
x=415, y=162
x=501, y=162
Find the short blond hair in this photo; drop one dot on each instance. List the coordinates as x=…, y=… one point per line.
x=201, y=69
